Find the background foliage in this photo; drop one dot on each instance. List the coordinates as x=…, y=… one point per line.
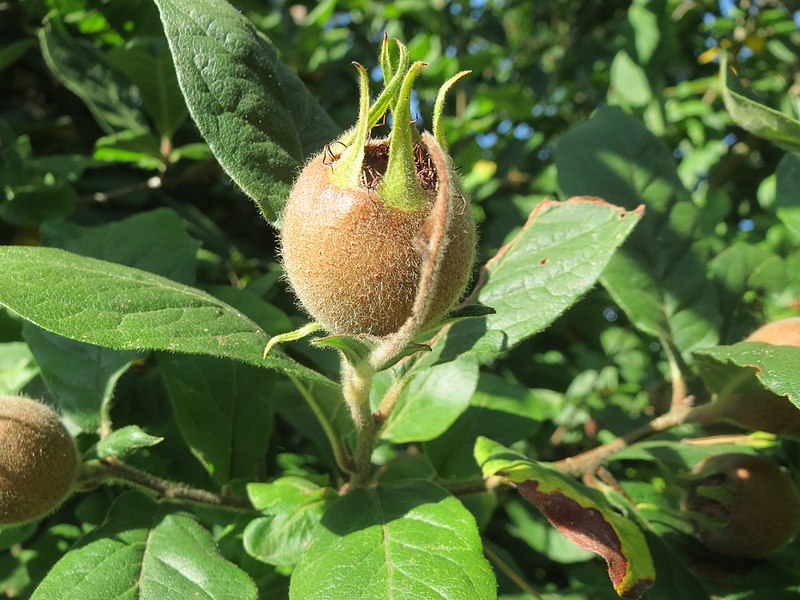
x=616, y=99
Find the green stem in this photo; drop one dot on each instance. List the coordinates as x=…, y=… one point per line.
x=343, y=461
x=356, y=383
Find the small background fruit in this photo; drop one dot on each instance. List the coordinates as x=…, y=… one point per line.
x=743, y=505
x=38, y=460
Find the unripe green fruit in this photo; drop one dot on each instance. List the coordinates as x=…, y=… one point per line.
x=38, y=460
x=350, y=257
x=743, y=506
x=762, y=410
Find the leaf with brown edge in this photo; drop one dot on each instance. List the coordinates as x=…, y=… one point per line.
x=581, y=514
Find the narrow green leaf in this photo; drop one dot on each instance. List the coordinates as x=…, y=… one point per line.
x=256, y=115
x=787, y=192
x=12, y=52
x=88, y=74
x=223, y=410
x=148, y=64
x=432, y=401
x=659, y=278
x=554, y=260
x=774, y=366
x=582, y=514
x=146, y=552
x=123, y=308
x=292, y=508
x=141, y=148
x=401, y=540
x=125, y=441
x=760, y=120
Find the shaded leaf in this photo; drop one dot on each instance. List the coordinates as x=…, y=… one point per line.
x=787, y=191
x=659, y=277
x=87, y=73
x=583, y=515
x=223, y=410
x=406, y=539
x=144, y=551
x=123, y=308
x=293, y=507
x=17, y=367
x=12, y=52
x=249, y=107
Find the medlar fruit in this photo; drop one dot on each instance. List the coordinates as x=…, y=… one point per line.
x=351, y=220
x=38, y=460
x=743, y=505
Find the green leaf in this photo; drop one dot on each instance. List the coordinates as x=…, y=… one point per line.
x=140, y=148
x=123, y=308
x=31, y=204
x=401, y=540
x=124, y=441
x=760, y=120
x=725, y=367
x=583, y=515
x=17, y=367
x=223, y=410
x=659, y=278
x=81, y=377
x=499, y=409
x=629, y=81
x=154, y=241
x=554, y=260
x=293, y=507
x=12, y=52
x=256, y=115
x=787, y=192
x=432, y=400
x=87, y=73
x=146, y=552
x=148, y=64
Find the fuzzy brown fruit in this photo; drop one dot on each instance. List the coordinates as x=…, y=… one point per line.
x=38, y=460
x=760, y=409
x=743, y=505
x=350, y=257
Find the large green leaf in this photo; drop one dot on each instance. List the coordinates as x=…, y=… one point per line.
x=763, y=121
x=401, y=540
x=659, y=277
x=143, y=551
x=256, y=115
x=582, y=514
x=776, y=367
x=292, y=508
x=223, y=409
x=554, y=260
x=88, y=74
x=123, y=308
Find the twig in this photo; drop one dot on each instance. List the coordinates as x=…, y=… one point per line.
x=463, y=488
x=587, y=462
x=108, y=472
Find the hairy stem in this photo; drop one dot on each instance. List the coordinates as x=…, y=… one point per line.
x=356, y=383
x=587, y=462
x=116, y=472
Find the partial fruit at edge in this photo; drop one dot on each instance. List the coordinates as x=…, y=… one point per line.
x=38, y=460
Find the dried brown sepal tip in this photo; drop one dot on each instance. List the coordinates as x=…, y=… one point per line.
x=38, y=460
x=742, y=505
